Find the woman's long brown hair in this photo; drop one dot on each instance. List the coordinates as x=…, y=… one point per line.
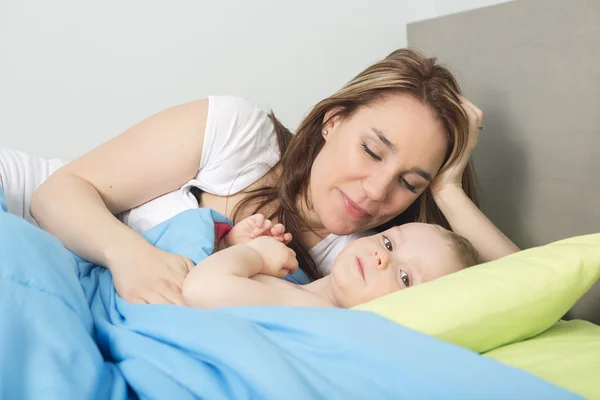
x=404, y=71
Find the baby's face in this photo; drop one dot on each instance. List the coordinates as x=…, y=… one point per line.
x=400, y=257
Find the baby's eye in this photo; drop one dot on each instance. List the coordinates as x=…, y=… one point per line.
x=403, y=278
x=387, y=243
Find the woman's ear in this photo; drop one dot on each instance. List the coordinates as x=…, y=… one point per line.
x=331, y=120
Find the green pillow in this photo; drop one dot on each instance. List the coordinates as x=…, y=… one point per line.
x=567, y=355
x=499, y=302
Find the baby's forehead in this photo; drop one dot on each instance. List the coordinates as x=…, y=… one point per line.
x=434, y=236
x=417, y=227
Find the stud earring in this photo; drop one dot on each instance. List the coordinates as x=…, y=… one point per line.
x=324, y=132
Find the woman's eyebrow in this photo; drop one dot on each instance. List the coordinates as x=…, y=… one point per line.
x=424, y=174
x=384, y=139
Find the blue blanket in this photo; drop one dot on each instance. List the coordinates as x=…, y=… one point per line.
x=66, y=334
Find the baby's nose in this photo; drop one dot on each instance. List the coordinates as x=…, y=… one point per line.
x=382, y=260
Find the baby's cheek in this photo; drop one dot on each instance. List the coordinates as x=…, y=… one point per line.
x=388, y=287
x=377, y=290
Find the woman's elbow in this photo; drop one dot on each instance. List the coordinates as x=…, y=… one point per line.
x=38, y=199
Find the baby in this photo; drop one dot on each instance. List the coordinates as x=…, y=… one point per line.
x=247, y=270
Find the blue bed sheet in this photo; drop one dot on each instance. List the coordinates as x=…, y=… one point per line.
x=66, y=334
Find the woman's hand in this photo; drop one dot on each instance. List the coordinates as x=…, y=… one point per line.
x=451, y=177
x=153, y=276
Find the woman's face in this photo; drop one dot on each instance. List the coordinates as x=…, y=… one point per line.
x=375, y=164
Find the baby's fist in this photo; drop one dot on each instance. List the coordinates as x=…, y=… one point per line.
x=278, y=259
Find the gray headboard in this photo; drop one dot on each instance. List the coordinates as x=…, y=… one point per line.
x=533, y=67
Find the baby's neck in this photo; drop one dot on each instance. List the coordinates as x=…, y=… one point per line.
x=322, y=288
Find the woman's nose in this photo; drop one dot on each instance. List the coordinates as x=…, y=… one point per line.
x=376, y=186
x=382, y=259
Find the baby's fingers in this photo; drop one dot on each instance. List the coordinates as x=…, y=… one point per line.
x=258, y=219
x=286, y=238
x=260, y=230
x=292, y=264
x=277, y=230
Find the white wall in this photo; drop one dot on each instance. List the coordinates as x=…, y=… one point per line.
x=74, y=74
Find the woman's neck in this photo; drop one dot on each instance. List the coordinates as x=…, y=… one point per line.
x=314, y=231
x=313, y=238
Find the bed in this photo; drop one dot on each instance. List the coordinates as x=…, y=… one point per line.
x=523, y=327
x=67, y=334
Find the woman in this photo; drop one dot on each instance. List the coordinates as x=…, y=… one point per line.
x=392, y=146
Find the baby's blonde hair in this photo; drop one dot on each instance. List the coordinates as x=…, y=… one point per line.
x=463, y=248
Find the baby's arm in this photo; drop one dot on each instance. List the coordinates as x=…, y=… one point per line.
x=223, y=279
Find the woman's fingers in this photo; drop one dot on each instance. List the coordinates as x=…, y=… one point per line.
x=474, y=112
x=173, y=296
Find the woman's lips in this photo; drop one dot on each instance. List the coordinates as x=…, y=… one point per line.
x=352, y=208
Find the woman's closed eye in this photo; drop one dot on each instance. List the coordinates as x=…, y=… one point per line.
x=369, y=152
x=375, y=157
x=407, y=185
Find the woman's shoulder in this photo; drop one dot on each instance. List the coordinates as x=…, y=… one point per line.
x=233, y=123
x=234, y=102
x=240, y=145
x=325, y=252
x=229, y=112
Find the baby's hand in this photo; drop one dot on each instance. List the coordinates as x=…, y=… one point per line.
x=278, y=259
x=253, y=227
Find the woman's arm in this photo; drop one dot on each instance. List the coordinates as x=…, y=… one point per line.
x=462, y=214
x=467, y=220
x=78, y=202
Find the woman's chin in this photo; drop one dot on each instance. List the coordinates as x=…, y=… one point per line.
x=340, y=226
